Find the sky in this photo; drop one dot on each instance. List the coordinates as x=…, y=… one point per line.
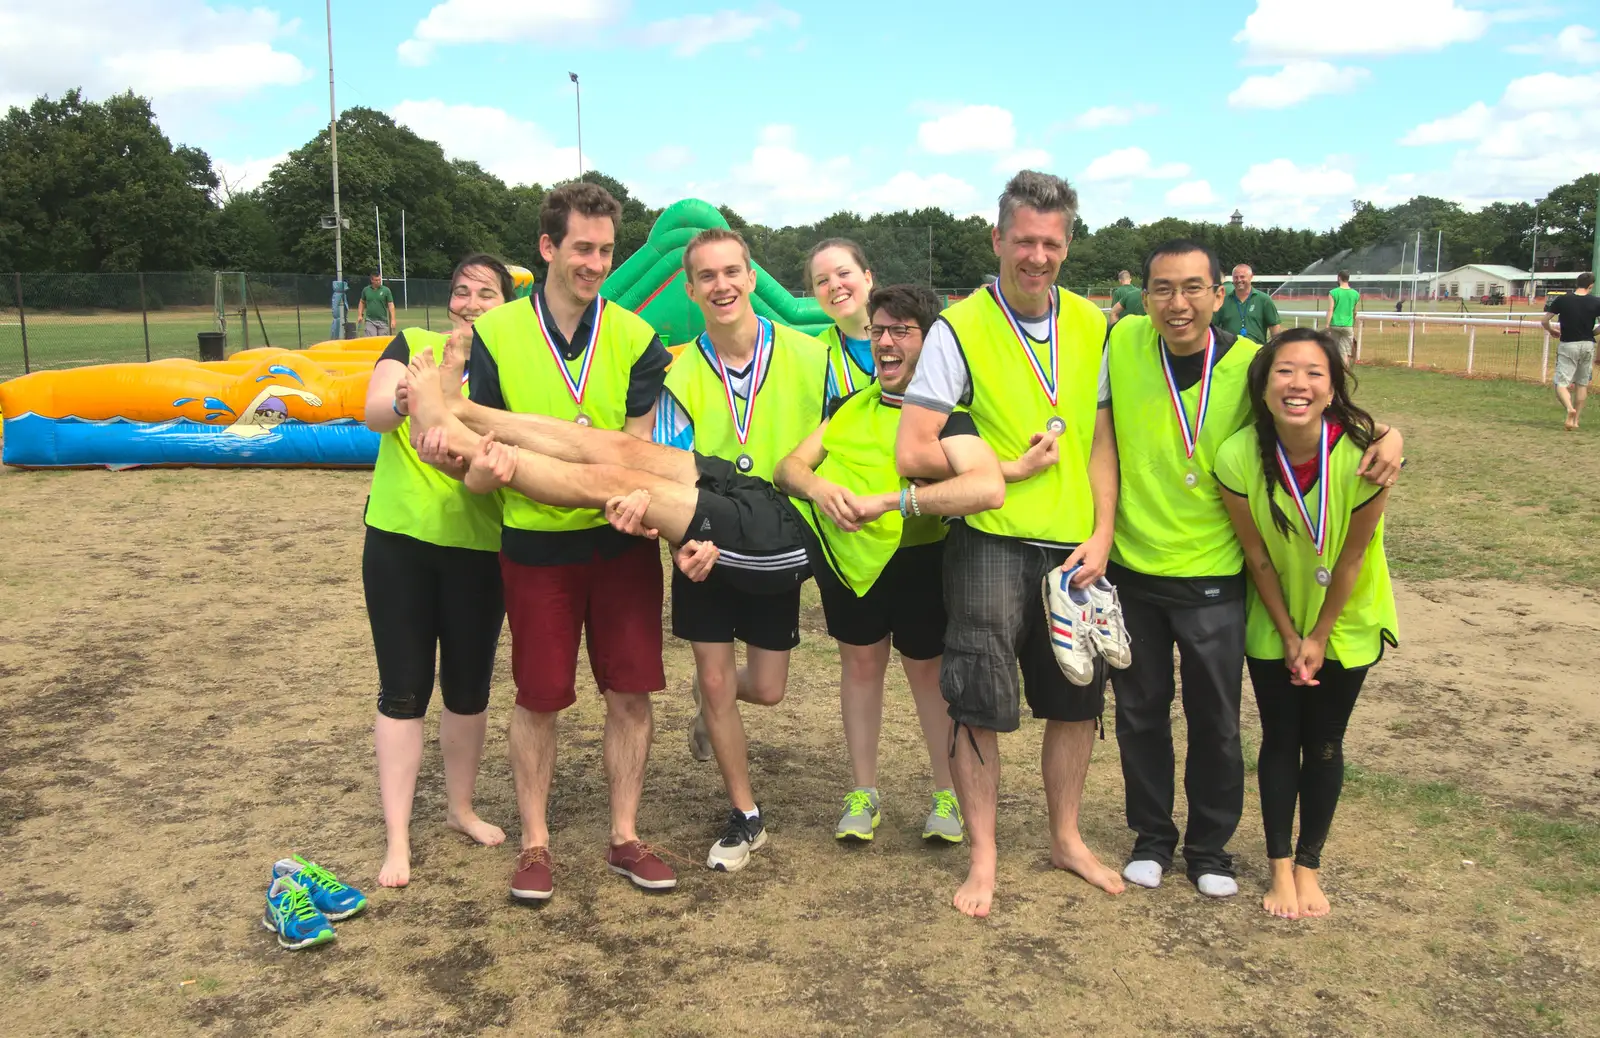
x=1284, y=109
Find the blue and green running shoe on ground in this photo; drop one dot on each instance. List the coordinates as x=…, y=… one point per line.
x=944, y=821
x=291, y=915
x=332, y=898
x=860, y=817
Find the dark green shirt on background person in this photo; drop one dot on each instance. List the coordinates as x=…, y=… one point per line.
x=1131, y=298
x=1251, y=319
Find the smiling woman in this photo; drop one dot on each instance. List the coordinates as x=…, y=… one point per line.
x=837, y=272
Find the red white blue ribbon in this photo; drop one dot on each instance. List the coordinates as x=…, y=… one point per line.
x=763, y=360
x=1317, y=531
x=1046, y=383
x=1191, y=437
x=579, y=386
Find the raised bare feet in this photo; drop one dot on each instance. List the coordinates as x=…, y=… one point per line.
x=477, y=828
x=453, y=363
x=424, y=398
x=396, y=869
x=975, y=895
x=1076, y=857
x=1313, y=902
x=1281, y=899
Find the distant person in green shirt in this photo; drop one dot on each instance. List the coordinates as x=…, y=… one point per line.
x=1341, y=316
x=1126, y=299
x=1246, y=312
x=375, y=312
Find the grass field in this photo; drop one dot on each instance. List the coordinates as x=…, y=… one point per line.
x=186, y=691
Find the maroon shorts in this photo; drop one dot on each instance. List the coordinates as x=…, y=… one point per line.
x=616, y=601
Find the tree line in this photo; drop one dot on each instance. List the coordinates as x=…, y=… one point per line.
x=91, y=186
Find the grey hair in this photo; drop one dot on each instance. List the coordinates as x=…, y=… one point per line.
x=1042, y=191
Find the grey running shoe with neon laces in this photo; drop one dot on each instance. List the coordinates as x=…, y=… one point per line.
x=944, y=821
x=699, y=738
x=861, y=816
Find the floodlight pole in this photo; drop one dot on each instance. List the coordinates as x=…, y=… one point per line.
x=1438, y=256
x=1533, y=261
x=1594, y=262
x=333, y=142
x=1416, y=269
x=577, y=92
x=405, y=282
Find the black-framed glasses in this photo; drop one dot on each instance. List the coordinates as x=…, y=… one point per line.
x=1192, y=290
x=897, y=332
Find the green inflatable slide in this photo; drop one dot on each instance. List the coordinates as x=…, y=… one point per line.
x=650, y=283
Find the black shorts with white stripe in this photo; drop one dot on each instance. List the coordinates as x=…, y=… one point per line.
x=754, y=526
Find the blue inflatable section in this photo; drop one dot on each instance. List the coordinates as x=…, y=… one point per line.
x=35, y=441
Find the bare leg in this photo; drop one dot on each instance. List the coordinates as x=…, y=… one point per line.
x=532, y=742
x=1065, y=763
x=932, y=713
x=1564, y=397
x=398, y=744
x=579, y=444
x=1281, y=899
x=765, y=676
x=629, y=725
x=461, y=743
x=978, y=790
x=1580, y=396
x=719, y=691
x=861, y=672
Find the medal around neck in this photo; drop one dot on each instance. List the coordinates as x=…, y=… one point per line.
x=576, y=387
x=1046, y=379
x=1316, y=529
x=758, y=371
x=744, y=463
x=1056, y=424
x=1324, y=578
x=584, y=420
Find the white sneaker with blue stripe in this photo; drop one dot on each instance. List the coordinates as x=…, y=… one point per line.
x=1110, y=633
x=1069, y=615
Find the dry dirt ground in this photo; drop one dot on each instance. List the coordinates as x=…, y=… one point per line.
x=186, y=692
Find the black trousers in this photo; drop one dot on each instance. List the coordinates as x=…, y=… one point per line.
x=1302, y=753
x=1210, y=641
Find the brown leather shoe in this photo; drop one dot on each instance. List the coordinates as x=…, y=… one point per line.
x=532, y=881
x=642, y=865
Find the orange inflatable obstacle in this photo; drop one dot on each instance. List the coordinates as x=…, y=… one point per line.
x=259, y=407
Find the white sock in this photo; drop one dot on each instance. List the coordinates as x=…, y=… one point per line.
x=1143, y=873
x=756, y=813
x=1212, y=885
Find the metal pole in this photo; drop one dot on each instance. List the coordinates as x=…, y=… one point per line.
x=1416, y=267
x=1438, y=255
x=299, y=339
x=144, y=315
x=405, y=282
x=22, y=319
x=577, y=91
x=377, y=222
x=1400, y=286
x=1533, y=261
x=333, y=142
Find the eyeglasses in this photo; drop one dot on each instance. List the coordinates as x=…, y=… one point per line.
x=1193, y=290
x=897, y=332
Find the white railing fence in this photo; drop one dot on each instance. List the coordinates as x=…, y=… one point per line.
x=1490, y=347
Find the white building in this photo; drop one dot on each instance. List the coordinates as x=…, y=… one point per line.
x=1476, y=280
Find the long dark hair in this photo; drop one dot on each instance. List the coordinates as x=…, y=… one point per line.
x=508, y=287
x=1357, y=424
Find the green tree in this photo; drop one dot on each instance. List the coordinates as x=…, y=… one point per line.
x=96, y=186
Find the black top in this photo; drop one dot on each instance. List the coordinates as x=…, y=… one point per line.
x=1186, y=369
x=1577, y=315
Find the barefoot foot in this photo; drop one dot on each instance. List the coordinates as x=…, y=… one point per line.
x=1281, y=899
x=477, y=828
x=396, y=870
x=975, y=895
x=1572, y=419
x=1313, y=902
x=1076, y=857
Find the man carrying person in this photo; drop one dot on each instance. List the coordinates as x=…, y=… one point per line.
x=1021, y=356
x=1574, y=314
x=565, y=353
x=1245, y=312
x=1126, y=299
x=1177, y=389
x=1341, y=316
x=375, y=309
x=847, y=512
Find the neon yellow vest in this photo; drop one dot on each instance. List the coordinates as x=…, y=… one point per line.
x=859, y=440
x=847, y=374
x=1009, y=406
x=531, y=384
x=788, y=401
x=411, y=497
x=1166, y=528
x=1368, y=619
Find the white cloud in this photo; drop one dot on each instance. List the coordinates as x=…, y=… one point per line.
x=669, y=157
x=1285, y=193
x=690, y=34
x=1111, y=115
x=972, y=128
x=1026, y=158
x=779, y=183
x=1294, y=83
x=1131, y=163
x=162, y=49
x=1191, y=193
x=907, y=190
x=1286, y=30
x=516, y=151
x=1466, y=125
x=1575, y=43
x=484, y=21
x=245, y=174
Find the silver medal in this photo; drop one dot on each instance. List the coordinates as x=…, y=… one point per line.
x=1056, y=424
x=1191, y=479
x=1324, y=578
x=583, y=419
x=744, y=463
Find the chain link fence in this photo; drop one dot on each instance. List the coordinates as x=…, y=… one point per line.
x=68, y=320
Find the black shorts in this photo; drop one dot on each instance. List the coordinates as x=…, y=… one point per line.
x=422, y=595
x=905, y=603
x=754, y=526
x=713, y=610
x=992, y=592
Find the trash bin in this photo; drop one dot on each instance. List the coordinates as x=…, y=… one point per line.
x=213, y=345
x=350, y=331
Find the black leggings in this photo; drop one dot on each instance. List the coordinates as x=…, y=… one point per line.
x=1302, y=753
x=420, y=595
